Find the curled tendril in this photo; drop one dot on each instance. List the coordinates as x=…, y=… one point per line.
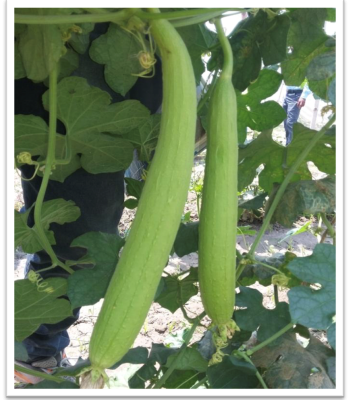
x=36, y=279
x=32, y=177
x=280, y=280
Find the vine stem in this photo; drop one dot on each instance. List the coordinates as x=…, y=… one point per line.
x=329, y=226
x=118, y=16
x=258, y=375
x=50, y=161
x=270, y=339
x=173, y=366
x=286, y=181
x=38, y=374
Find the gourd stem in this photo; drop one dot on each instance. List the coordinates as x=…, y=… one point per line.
x=286, y=181
x=50, y=161
x=227, y=67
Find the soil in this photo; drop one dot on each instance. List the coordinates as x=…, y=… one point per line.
x=161, y=325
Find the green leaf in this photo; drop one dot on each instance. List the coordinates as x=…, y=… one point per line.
x=134, y=187
x=331, y=14
x=81, y=41
x=264, y=150
x=92, y=124
x=67, y=64
x=142, y=375
x=256, y=315
x=20, y=72
x=188, y=359
x=321, y=67
x=305, y=198
x=274, y=43
x=289, y=365
x=160, y=353
x=20, y=352
x=232, y=373
x=255, y=203
x=144, y=138
x=246, y=53
x=183, y=379
x=88, y=286
x=131, y=203
x=309, y=307
x=137, y=355
x=331, y=335
x=259, y=272
x=59, y=211
x=251, y=112
x=118, y=50
x=36, y=305
x=178, y=290
x=307, y=38
x=296, y=231
x=46, y=384
x=198, y=40
x=186, y=240
x=41, y=47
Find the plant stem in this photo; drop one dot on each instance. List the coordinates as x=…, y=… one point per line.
x=258, y=375
x=227, y=67
x=118, y=16
x=178, y=23
x=270, y=339
x=50, y=161
x=329, y=226
x=199, y=383
x=38, y=374
x=73, y=19
x=194, y=12
x=173, y=366
x=286, y=181
x=182, y=383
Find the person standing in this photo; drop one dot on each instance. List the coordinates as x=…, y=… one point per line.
x=293, y=102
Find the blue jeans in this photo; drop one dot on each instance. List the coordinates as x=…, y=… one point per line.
x=100, y=197
x=291, y=108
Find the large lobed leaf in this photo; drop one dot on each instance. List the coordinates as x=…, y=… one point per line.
x=88, y=286
x=264, y=150
x=96, y=129
x=59, y=211
x=310, y=307
x=37, y=304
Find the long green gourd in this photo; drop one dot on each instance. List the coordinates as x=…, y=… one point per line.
x=218, y=217
x=134, y=283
